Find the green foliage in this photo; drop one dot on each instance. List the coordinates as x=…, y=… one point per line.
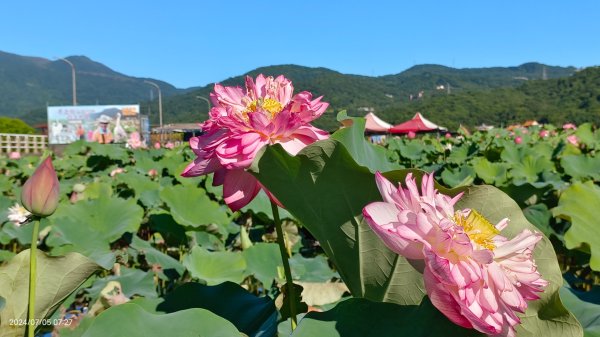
x=133, y=320
x=359, y=317
x=578, y=205
x=15, y=125
x=57, y=278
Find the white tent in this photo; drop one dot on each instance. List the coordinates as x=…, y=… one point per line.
x=375, y=124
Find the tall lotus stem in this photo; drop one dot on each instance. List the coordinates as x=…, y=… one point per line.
x=286, y=265
x=40, y=197
x=32, y=279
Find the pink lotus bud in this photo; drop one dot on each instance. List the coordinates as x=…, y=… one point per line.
x=544, y=133
x=569, y=126
x=14, y=155
x=448, y=135
x=157, y=145
x=518, y=140
x=169, y=145
x=40, y=192
x=411, y=135
x=152, y=173
x=573, y=140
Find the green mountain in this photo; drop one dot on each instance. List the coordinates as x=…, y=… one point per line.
x=385, y=95
x=571, y=99
x=28, y=84
x=447, y=96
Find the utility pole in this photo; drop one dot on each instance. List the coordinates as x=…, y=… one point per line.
x=73, y=79
x=160, y=117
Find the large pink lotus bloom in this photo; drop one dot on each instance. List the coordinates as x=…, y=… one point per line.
x=244, y=121
x=572, y=139
x=569, y=126
x=473, y=275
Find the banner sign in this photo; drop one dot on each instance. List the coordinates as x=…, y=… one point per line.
x=93, y=123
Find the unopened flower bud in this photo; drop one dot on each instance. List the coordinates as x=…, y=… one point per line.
x=40, y=192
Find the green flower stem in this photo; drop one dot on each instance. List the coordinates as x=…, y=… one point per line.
x=286, y=265
x=32, y=277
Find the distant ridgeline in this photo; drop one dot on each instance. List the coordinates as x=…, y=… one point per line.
x=447, y=96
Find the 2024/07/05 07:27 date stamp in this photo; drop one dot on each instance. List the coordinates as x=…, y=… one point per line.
x=38, y=321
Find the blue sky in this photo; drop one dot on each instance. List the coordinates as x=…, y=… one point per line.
x=191, y=43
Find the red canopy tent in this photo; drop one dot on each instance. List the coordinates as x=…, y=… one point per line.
x=375, y=124
x=416, y=124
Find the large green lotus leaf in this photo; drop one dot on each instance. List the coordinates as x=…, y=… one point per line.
x=546, y=316
x=459, y=176
x=326, y=190
x=170, y=268
x=90, y=226
x=314, y=269
x=5, y=203
x=254, y=316
x=413, y=151
x=539, y=215
x=133, y=320
x=133, y=282
x=70, y=166
x=579, y=205
x=460, y=154
x=137, y=182
x=585, y=135
x=262, y=261
x=587, y=313
x=190, y=206
x=362, y=318
x=5, y=184
x=6, y=255
x=581, y=167
x=57, y=277
x=24, y=232
x=366, y=154
x=112, y=151
x=145, y=189
x=98, y=189
x=144, y=163
x=215, y=267
x=513, y=154
x=530, y=168
x=491, y=173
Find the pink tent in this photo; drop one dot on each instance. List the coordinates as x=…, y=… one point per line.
x=416, y=124
x=375, y=124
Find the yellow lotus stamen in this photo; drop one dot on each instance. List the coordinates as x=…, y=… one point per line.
x=478, y=228
x=270, y=105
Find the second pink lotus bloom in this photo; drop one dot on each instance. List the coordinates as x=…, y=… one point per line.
x=473, y=275
x=244, y=121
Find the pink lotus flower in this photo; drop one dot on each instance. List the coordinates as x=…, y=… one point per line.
x=169, y=145
x=14, y=155
x=411, y=135
x=573, y=140
x=473, y=275
x=135, y=141
x=244, y=121
x=569, y=126
x=157, y=145
x=152, y=173
x=40, y=192
x=518, y=140
x=448, y=135
x=544, y=133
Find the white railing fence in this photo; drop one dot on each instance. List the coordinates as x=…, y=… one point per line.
x=24, y=144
